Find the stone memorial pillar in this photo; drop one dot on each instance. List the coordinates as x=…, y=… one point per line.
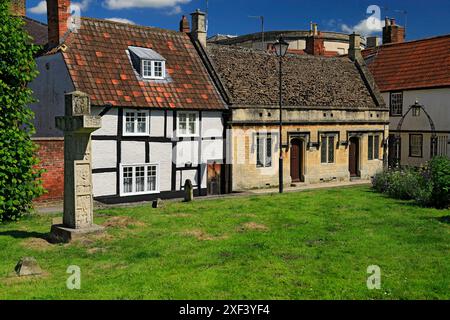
x=77, y=125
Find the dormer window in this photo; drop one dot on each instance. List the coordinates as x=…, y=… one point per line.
x=153, y=69
x=148, y=63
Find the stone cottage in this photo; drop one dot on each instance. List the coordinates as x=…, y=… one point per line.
x=335, y=122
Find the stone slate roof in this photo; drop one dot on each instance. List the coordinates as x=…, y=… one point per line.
x=411, y=65
x=99, y=65
x=37, y=30
x=251, y=78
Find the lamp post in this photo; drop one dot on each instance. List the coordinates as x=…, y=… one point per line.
x=281, y=47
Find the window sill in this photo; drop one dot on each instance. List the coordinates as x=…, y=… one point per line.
x=136, y=134
x=138, y=193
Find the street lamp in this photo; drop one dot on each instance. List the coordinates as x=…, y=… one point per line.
x=281, y=47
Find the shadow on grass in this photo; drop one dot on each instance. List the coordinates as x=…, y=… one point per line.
x=20, y=234
x=444, y=219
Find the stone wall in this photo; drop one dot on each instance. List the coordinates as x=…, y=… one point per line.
x=51, y=154
x=246, y=175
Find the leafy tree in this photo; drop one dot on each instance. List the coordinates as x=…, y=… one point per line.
x=19, y=177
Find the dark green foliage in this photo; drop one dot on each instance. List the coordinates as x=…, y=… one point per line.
x=19, y=179
x=439, y=175
x=428, y=186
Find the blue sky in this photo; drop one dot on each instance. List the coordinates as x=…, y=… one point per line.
x=425, y=18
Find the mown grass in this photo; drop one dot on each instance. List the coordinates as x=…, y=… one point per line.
x=309, y=245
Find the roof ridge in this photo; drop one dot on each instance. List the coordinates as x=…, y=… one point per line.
x=134, y=26
x=267, y=53
x=409, y=42
x=34, y=20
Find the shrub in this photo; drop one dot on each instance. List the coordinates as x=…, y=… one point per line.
x=439, y=175
x=428, y=186
x=19, y=183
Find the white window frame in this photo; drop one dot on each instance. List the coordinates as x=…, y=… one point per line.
x=135, y=133
x=263, y=137
x=152, y=69
x=375, y=148
x=197, y=124
x=327, y=137
x=134, y=166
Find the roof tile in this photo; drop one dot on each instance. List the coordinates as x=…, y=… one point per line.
x=97, y=57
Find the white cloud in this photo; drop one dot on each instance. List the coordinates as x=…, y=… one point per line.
x=40, y=8
x=176, y=10
x=365, y=27
x=122, y=20
x=125, y=4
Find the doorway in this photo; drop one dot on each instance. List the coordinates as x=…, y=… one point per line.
x=214, y=178
x=353, y=160
x=297, y=173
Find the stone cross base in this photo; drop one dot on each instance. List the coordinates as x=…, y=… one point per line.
x=61, y=234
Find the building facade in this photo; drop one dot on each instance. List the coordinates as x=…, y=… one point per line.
x=162, y=117
x=335, y=123
x=408, y=73
x=334, y=43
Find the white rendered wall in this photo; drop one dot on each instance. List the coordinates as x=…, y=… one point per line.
x=161, y=153
x=104, y=154
x=49, y=88
x=104, y=184
x=109, y=121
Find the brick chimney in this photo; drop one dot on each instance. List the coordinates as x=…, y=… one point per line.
x=18, y=8
x=314, y=42
x=184, y=25
x=199, y=27
x=58, y=15
x=393, y=33
x=354, y=51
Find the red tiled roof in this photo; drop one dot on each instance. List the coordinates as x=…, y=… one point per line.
x=411, y=65
x=97, y=59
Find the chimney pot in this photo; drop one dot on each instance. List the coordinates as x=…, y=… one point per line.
x=393, y=33
x=314, y=42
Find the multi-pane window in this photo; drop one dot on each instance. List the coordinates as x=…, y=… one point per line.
x=327, y=148
x=187, y=124
x=158, y=69
x=374, y=147
x=153, y=69
x=396, y=103
x=264, y=150
x=415, y=145
x=139, y=179
x=136, y=123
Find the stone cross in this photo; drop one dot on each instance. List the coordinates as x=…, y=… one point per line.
x=77, y=125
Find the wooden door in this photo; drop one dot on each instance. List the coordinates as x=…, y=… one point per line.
x=296, y=160
x=353, y=160
x=214, y=178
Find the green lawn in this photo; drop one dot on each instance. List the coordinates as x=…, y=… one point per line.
x=308, y=245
